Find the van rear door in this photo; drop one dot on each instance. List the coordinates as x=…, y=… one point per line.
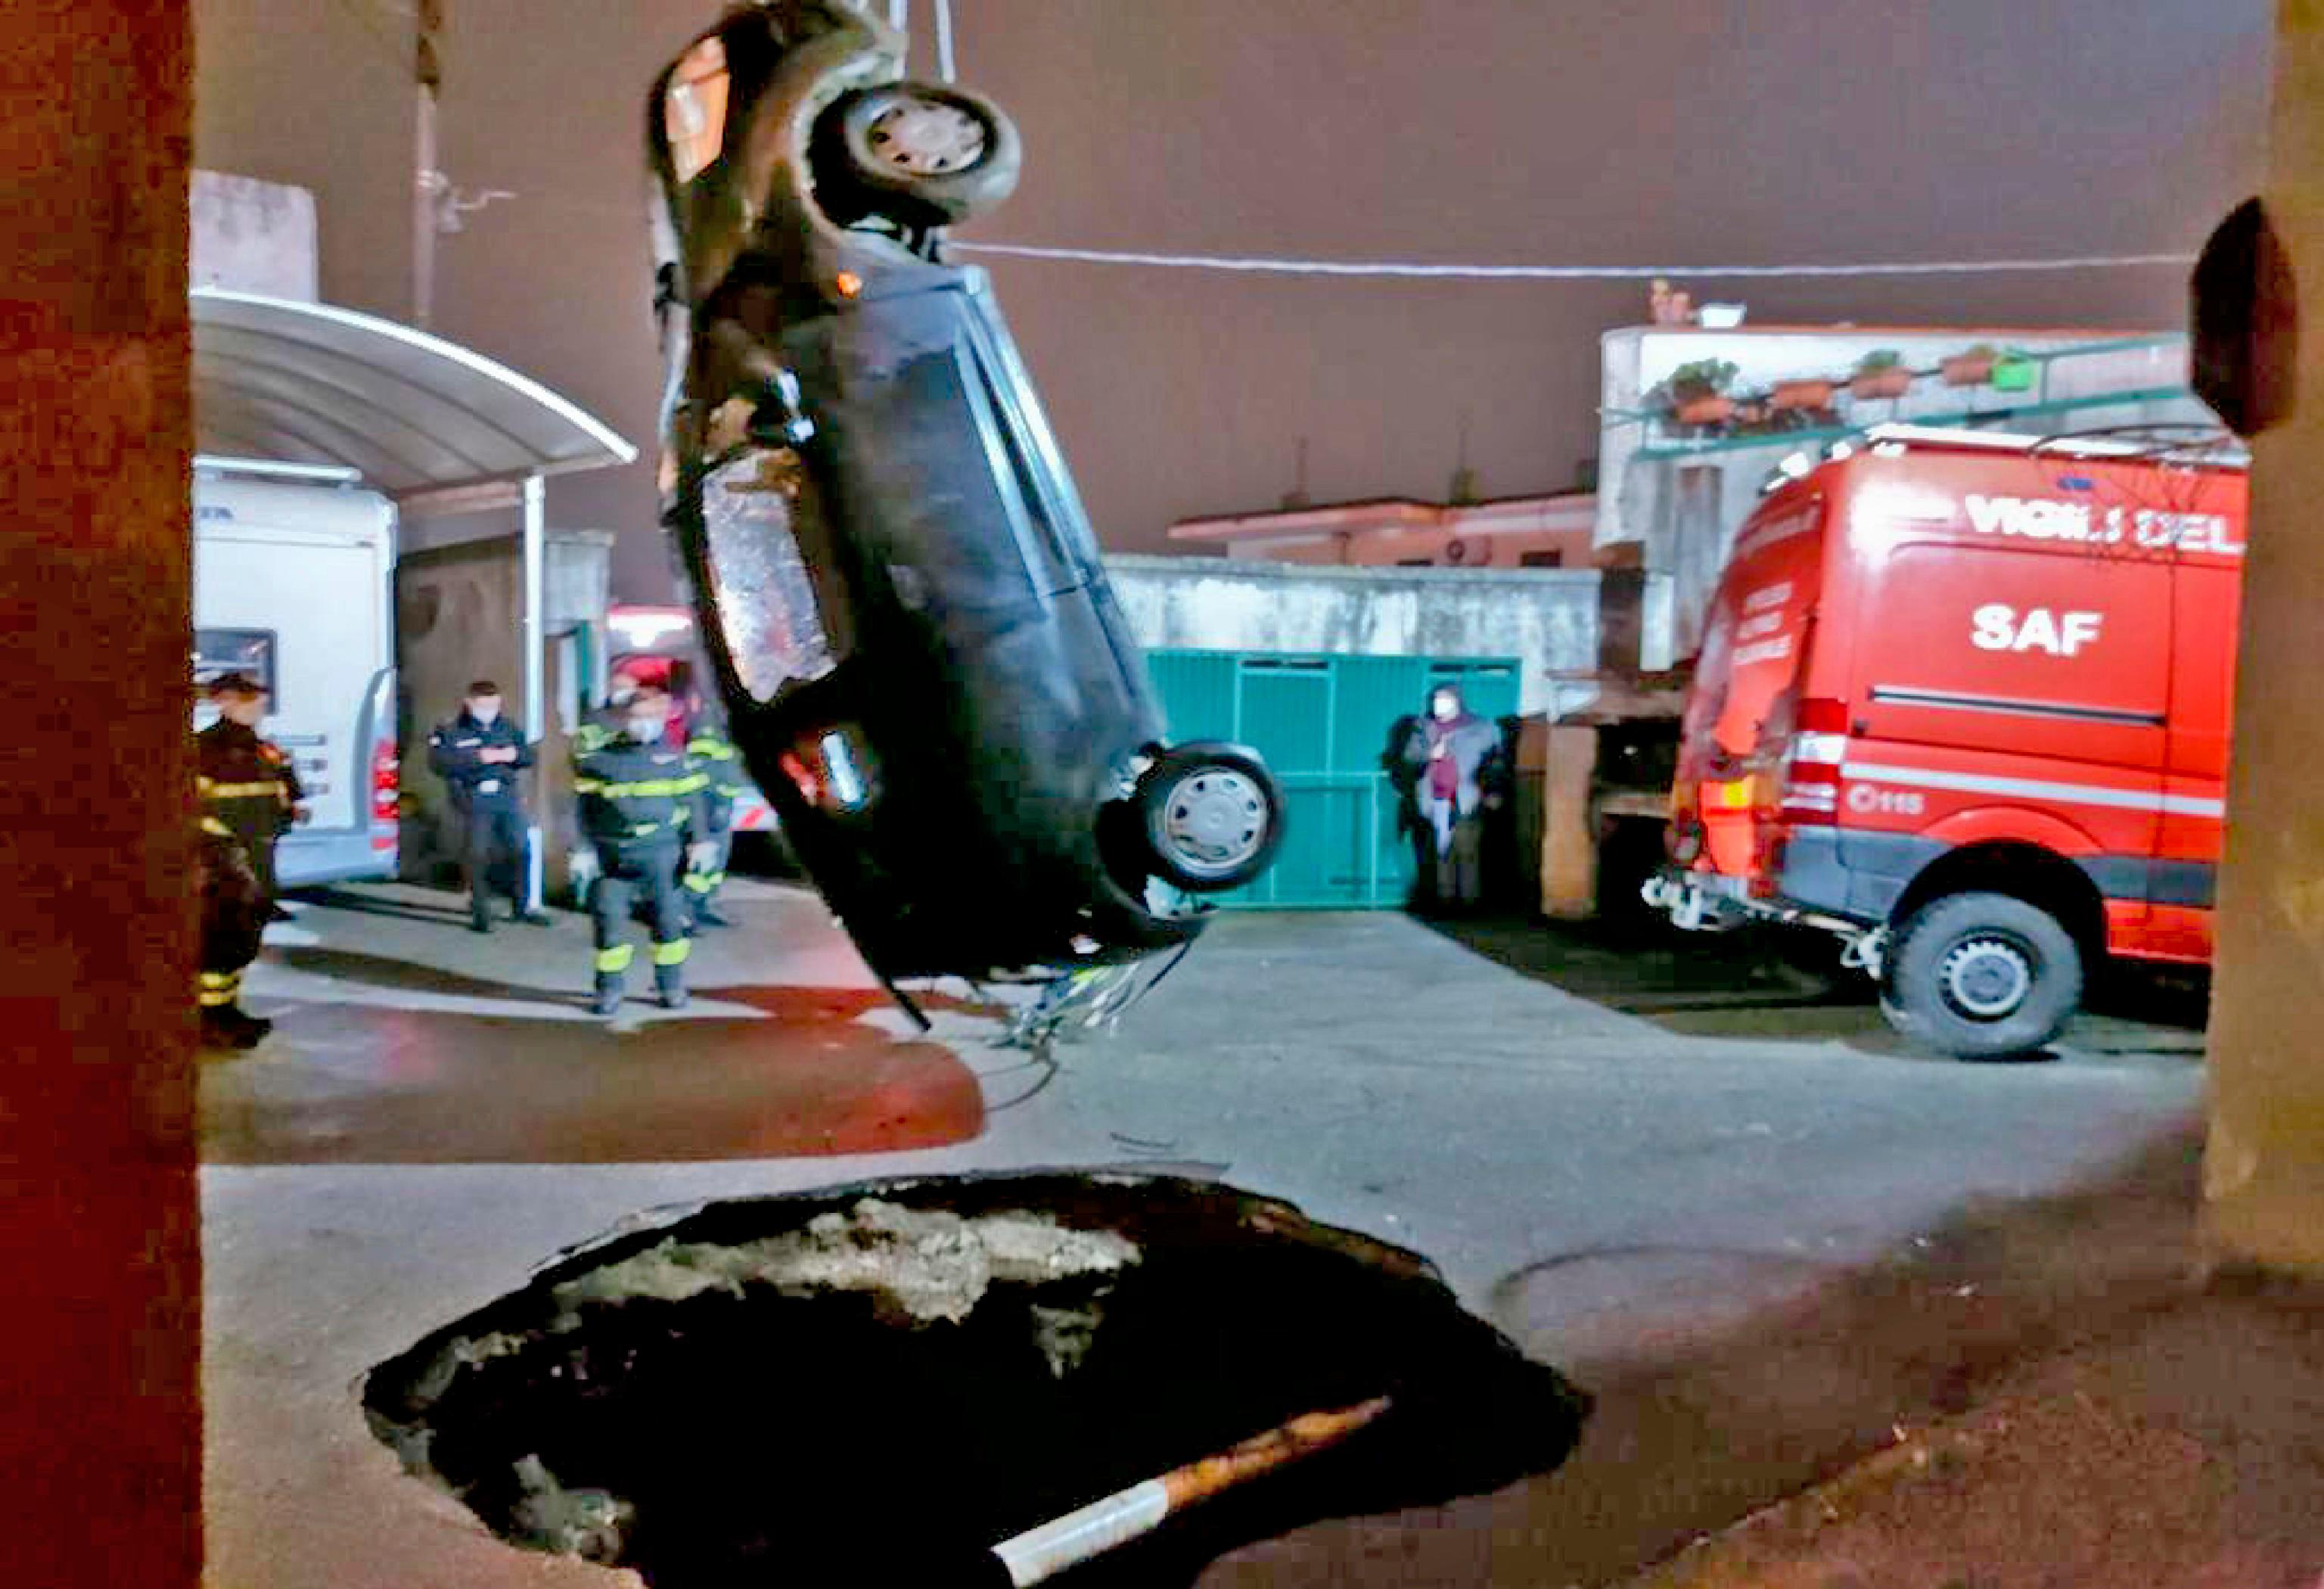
x=1740, y=711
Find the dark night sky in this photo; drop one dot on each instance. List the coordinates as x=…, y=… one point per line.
x=1473, y=131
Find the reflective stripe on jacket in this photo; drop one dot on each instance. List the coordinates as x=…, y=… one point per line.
x=723, y=765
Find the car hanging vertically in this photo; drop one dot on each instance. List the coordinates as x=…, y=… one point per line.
x=898, y=589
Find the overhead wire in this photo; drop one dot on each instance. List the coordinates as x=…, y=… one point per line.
x=1552, y=272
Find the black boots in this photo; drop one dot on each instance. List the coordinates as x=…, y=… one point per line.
x=227, y=1026
x=608, y=1001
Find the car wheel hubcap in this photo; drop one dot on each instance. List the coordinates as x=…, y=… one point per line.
x=1214, y=821
x=1987, y=978
x=926, y=138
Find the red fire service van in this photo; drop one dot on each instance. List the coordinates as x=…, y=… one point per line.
x=1963, y=701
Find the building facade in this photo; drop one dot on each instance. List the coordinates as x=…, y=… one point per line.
x=1694, y=420
x=1516, y=532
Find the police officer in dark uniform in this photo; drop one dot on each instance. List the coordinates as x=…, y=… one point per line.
x=639, y=798
x=478, y=755
x=715, y=757
x=248, y=784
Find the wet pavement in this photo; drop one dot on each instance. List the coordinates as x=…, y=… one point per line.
x=1614, y=1171
x=438, y=1088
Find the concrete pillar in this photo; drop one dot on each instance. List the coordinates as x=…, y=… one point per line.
x=2265, y=1171
x=100, y=1255
x=1568, y=824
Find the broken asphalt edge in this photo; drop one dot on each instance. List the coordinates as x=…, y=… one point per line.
x=1765, y=1547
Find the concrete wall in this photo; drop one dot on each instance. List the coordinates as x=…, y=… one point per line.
x=2265, y=1171
x=1546, y=618
x=459, y=617
x=1374, y=534
x=1681, y=497
x=253, y=236
x=100, y=1258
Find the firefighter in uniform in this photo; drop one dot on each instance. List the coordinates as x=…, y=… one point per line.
x=715, y=756
x=246, y=790
x=638, y=797
x=234, y=919
x=246, y=782
x=478, y=755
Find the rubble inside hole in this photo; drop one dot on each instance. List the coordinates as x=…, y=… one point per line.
x=879, y=1382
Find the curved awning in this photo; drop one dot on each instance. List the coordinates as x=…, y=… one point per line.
x=298, y=382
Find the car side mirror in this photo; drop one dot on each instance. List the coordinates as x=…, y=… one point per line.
x=2246, y=323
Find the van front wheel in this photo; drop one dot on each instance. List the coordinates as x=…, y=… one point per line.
x=1982, y=977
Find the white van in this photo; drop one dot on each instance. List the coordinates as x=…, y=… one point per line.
x=293, y=570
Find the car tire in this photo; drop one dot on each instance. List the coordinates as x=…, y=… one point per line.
x=1982, y=977
x=1212, y=816
x=921, y=153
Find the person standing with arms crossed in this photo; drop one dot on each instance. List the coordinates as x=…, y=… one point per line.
x=1450, y=751
x=478, y=754
x=638, y=797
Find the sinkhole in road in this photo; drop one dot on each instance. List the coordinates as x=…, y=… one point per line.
x=878, y=1383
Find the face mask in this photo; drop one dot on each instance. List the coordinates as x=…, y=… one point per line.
x=1444, y=711
x=485, y=712
x=644, y=730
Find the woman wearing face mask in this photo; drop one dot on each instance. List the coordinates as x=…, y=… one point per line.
x=1449, y=750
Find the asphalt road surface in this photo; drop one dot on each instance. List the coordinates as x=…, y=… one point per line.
x=1643, y=1162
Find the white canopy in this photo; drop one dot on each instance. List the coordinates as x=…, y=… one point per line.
x=311, y=383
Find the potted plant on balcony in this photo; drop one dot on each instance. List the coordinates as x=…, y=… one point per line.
x=1882, y=373
x=1812, y=394
x=2016, y=371
x=1972, y=367
x=1698, y=392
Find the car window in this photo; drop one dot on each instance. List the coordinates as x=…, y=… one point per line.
x=762, y=588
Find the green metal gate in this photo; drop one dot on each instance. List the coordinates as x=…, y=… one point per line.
x=1323, y=722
